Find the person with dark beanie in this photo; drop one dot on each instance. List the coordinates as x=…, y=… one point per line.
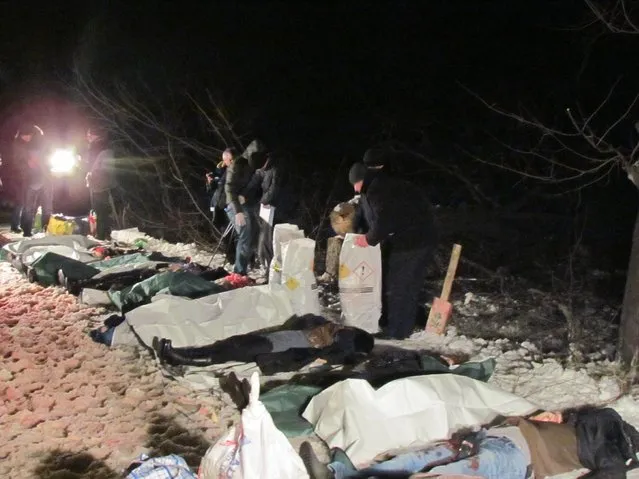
x=400, y=218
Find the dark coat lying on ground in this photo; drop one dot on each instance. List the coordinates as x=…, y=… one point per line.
x=298, y=342
x=607, y=445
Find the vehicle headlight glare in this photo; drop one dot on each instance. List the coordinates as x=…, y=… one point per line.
x=62, y=161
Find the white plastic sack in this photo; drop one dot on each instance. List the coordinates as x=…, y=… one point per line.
x=298, y=278
x=408, y=412
x=254, y=449
x=282, y=234
x=360, y=284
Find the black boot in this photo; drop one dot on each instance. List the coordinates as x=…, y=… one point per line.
x=172, y=357
x=159, y=345
x=315, y=468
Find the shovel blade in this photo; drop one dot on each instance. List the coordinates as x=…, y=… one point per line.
x=438, y=317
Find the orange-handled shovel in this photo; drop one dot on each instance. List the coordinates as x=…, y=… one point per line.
x=441, y=310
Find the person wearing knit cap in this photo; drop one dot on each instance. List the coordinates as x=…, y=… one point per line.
x=400, y=218
x=357, y=173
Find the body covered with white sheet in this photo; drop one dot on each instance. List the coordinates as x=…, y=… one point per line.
x=407, y=412
x=198, y=322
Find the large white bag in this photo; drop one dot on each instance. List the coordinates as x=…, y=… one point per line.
x=282, y=234
x=255, y=449
x=298, y=278
x=360, y=284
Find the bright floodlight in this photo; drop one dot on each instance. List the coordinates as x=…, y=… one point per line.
x=62, y=161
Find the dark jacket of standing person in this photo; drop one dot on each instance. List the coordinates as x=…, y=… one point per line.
x=216, y=187
x=397, y=211
x=239, y=176
x=271, y=182
x=30, y=160
x=100, y=165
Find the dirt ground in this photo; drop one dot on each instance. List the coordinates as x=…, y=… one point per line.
x=73, y=408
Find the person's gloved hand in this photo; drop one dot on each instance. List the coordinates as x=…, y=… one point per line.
x=239, y=219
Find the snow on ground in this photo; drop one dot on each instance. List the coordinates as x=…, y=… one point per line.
x=70, y=407
x=63, y=396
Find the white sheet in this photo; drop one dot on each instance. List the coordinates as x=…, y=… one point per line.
x=406, y=412
x=72, y=246
x=197, y=322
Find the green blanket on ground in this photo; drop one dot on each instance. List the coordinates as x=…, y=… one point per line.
x=175, y=283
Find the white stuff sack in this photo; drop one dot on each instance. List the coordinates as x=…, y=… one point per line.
x=360, y=284
x=282, y=234
x=298, y=278
x=254, y=449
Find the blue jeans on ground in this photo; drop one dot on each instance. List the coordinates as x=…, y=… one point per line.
x=243, y=249
x=497, y=458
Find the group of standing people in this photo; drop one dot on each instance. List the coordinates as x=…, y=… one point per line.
x=28, y=181
x=395, y=213
x=251, y=192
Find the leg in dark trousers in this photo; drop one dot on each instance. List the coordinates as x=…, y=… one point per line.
x=266, y=243
x=16, y=214
x=405, y=277
x=31, y=201
x=241, y=348
x=102, y=207
x=46, y=202
x=385, y=250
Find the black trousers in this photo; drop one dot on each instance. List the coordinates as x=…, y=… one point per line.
x=241, y=348
x=33, y=198
x=403, y=281
x=100, y=203
x=265, y=246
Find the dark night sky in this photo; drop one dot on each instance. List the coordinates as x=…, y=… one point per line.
x=322, y=79
x=301, y=71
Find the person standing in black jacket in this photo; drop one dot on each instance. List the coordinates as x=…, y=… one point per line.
x=99, y=180
x=400, y=218
x=277, y=200
x=37, y=181
x=242, y=199
x=215, y=186
x=16, y=169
